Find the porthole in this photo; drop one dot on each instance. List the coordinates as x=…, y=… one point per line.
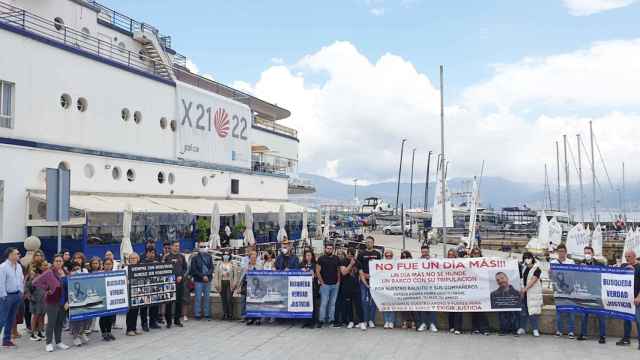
x=131, y=175
x=163, y=123
x=205, y=181
x=174, y=125
x=142, y=55
x=65, y=101
x=89, y=171
x=171, y=179
x=116, y=173
x=137, y=117
x=122, y=46
x=86, y=33
x=82, y=104
x=58, y=23
x=125, y=114
x=160, y=177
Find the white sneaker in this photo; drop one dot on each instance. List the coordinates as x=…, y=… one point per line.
x=433, y=328
x=363, y=326
x=386, y=325
x=350, y=325
x=77, y=341
x=85, y=338
x=185, y=318
x=422, y=327
x=62, y=346
x=452, y=330
x=521, y=331
x=391, y=325
x=49, y=347
x=456, y=332
x=371, y=324
x=536, y=333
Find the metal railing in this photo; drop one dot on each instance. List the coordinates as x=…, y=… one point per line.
x=51, y=30
x=275, y=127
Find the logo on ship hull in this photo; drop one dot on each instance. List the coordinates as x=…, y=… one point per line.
x=221, y=122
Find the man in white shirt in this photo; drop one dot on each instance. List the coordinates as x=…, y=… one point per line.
x=571, y=317
x=11, y=290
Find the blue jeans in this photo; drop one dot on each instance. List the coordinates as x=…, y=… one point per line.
x=389, y=317
x=508, y=321
x=627, y=325
x=328, y=295
x=602, y=323
x=571, y=321
x=8, y=310
x=202, y=291
x=426, y=317
x=525, y=317
x=368, y=305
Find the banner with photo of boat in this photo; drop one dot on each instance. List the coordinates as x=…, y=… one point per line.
x=97, y=294
x=212, y=128
x=152, y=283
x=279, y=294
x=594, y=290
x=446, y=285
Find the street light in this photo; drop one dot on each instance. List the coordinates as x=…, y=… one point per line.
x=399, y=173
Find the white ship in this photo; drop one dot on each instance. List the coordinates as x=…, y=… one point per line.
x=272, y=296
x=86, y=88
x=91, y=298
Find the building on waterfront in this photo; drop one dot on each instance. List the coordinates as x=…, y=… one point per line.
x=91, y=90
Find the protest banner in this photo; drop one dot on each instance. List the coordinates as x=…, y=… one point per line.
x=449, y=285
x=152, y=283
x=97, y=294
x=596, y=290
x=279, y=294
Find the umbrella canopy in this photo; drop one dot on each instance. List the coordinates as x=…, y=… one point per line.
x=214, y=238
x=318, y=225
x=327, y=225
x=125, y=245
x=304, y=236
x=282, y=221
x=249, y=239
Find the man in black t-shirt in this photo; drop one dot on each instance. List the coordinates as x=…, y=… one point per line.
x=350, y=289
x=632, y=263
x=328, y=272
x=368, y=305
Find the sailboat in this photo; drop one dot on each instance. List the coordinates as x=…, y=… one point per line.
x=472, y=214
x=538, y=244
x=555, y=233
x=577, y=239
x=596, y=241
x=632, y=241
x=436, y=217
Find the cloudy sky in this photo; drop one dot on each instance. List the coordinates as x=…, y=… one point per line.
x=360, y=75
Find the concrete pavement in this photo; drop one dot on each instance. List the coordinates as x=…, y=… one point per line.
x=233, y=340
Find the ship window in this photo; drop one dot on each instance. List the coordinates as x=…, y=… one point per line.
x=131, y=175
x=160, y=177
x=7, y=90
x=86, y=33
x=89, y=171
x=174, y=125
x=82, y=104
x=205, y=181
x=171, y=179
x=142, y=55
x=58, y=23
x=235, y=186
x=163, y=123
x=65, y=101
x=122, y=46
x=125, y=114
x=116, y=173
x=137, y=117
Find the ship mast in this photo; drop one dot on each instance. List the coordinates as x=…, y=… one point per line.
x=558, y=180
x=566, y=174
x=593, y=176
x=580, y=177
x=443, y=173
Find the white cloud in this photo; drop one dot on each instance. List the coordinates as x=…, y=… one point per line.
x=590, y=7
x=351, y=123
x=191, y=66
x=208, y=76
x=377, y=11
x=277, y=60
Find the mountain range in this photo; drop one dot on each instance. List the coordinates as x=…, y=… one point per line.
x=495, y=192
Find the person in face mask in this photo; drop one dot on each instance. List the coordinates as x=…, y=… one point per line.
x=531, y=293
x=201, y=270
x=226, y=280
x=286, y=260
x=584, y=324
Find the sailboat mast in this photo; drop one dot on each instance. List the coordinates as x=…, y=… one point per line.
x=547, y=189
x=426, y=183
x=580, y=177
x=443, y=189
x=558, y=168
x=593, y=176
x=566, y=176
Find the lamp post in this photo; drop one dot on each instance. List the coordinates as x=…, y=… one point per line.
x=413, y=158
x=355, y=190
x=426, y=183
x=399, y=173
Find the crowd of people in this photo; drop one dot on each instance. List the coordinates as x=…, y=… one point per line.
x=37, y=294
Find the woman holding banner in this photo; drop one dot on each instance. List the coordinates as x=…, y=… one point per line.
x=54, y=285
x=455, y=318
x=479, y=320
x=531, y=294
x=252, y=265
x=389, y=316
x=132, y=314
x=308, y=264
x=408, y=317
x=106, y=322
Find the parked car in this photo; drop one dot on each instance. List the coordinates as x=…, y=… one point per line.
x=396, y=229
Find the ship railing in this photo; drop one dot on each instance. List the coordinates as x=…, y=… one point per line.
x=274, y=126
x=61, y=33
